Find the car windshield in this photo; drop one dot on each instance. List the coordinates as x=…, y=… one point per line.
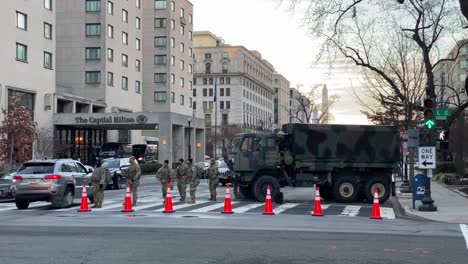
x=37, y=168
x=107, y=154
x=111, y=164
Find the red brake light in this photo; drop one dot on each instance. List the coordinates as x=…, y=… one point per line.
x=52, y=177
x=140, y=158
x=17, y=178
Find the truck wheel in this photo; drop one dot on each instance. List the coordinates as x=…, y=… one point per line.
x=380, y=184
x=259, y=188
x=325, y=193
x=345, y=189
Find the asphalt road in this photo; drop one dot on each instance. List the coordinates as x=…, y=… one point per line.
x=81, y=245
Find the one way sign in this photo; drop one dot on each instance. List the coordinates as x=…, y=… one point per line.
x=427, y=157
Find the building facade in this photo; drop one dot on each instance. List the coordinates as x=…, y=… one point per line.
x=281, y=87
x=298, y=112
x=243, y=81
x=89, y=80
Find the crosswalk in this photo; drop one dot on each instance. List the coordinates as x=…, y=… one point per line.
x=205, y=206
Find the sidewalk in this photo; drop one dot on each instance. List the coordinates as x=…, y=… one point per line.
x=452, y=207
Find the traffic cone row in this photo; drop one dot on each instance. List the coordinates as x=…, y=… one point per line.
x=268, y=209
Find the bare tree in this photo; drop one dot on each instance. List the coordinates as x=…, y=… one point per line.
x=358, y=30
x=308, y=110
x=44, y=147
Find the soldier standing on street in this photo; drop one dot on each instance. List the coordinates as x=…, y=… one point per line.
x=214, y=180
x=98, y=183
x=193, y=179
x=134, y=174
x=181, y=173
x=164, y=176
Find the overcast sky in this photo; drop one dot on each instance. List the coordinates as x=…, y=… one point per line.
x=277, y=34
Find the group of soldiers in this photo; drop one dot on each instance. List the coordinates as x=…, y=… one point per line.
x=186, y=173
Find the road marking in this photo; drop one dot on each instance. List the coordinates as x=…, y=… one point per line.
x=107, y=207
x=387, y=213
x=284, y=207
x=324, y=206
x=180, y=206
x=209, y=208
x=351, y=210
x=464, y=229
x=153, y=204
x=246, y=208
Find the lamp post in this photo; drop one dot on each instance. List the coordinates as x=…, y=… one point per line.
x=189, y=121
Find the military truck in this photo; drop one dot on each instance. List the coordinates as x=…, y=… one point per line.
x=347, y=162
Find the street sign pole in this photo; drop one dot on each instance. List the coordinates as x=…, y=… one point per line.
x=427, y=160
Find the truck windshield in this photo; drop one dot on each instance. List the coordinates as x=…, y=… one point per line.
x=234, y=144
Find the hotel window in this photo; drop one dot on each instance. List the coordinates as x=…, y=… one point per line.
x=228, y=105
x=182, y=100
x=194, y=81
x=172, y=61
x=21, y=52
x=93, y=54
x=221, y=105
x=205, y=105
x=138, y=65
x=173, y=78
x=124, y=38
x=182, y=82
x=172, y=97
x=221, y=80
x=210, y=80
x=47, y=31
x=228, y=80
x=124, y=83
x=190, y=68
x=173, y=6
x=137, y=44
x=195, y=105
x=190, y=52
x=93, y=30
x=160, y=59
x=48, y=4
x=137, y=23
x=182, y=47
x=205, y=92
x=190, y=102
x=182, y=12
x=93, y=77
x=110, y=54
x=110, y=8
x=228, y=91
x=137, y=87
x=182, y=30
x=210, y=105
x=160, y=78
x=225, y=67
x=190, y=35
x=190, y=85
x=172, y=24
x=221, y=92
x=208, y=67
x=110, y=78
x=210, y=92
x=138, y=3
x=160, y=4
x=160, y=41
x=205, y=81
x=173, y=42
x=208, y=120
x=160, y=22
x=182, y=65
x=110, y=31
x=124, y=60
x=124, y=15
x=194, y=92
x=93, y=5
x=190, y=19
x=160, y=96
x=47, y=60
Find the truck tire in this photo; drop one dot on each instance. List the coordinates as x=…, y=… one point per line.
x=259, y=188
x=377, y=183
x=345, y=189
x=325, y=192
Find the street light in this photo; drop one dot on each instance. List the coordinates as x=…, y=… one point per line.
x=189, y=121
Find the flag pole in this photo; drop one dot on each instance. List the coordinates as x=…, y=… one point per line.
x=216, y=117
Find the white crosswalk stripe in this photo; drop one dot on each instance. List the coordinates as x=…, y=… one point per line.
x=387, y=213
x=210, y=207
x=284, y=207
x=247, y=207
x=181, y=206
x=351, y=210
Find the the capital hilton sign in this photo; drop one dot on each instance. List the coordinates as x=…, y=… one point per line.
x=141, y=119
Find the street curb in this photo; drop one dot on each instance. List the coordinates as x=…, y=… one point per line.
x=402, y=214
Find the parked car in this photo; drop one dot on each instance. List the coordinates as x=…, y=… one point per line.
x=56, y=181
x=118, y=169
x=6, y=183
x=224, y=172
x=203, y=165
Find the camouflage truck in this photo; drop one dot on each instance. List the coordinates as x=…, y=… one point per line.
x=347, y=162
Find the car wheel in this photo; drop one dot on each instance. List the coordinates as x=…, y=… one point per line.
x=21, y=205
x=259, y=188
x=68, y=198
x=345, y=189
x=381, y=185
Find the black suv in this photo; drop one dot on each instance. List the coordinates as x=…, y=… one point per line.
x=118, y=169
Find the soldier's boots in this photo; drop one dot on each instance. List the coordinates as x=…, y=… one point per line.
x=191, y=202
x=211, y=198
x=182, y=199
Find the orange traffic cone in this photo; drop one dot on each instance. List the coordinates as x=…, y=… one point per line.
x=317, y=204
x=168, y=203
x=128, y=201
x=227, y=202
x=84, y=201
x=376, y=206
x=268, y=210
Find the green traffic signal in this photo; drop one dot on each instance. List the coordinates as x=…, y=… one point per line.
x=429, y=123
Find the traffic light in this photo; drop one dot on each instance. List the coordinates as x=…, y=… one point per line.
x=429, y=117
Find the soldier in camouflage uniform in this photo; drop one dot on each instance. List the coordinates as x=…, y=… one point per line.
x=181, y=172
x=164, y=176
x=193, y=180
x=98, y=183
x=214, y=180
x=134, y=174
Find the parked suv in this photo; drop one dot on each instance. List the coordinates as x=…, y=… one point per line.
x=56, y=181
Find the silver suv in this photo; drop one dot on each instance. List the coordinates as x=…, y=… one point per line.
x=56, y=181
